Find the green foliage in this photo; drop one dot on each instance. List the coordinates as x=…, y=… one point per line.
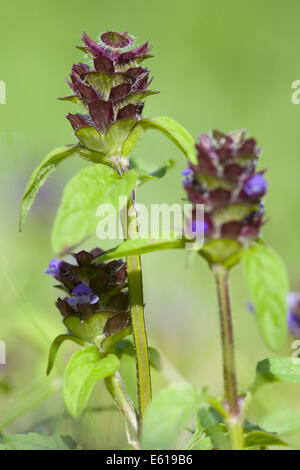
x=283, y=421
x=86, y=191
x=84, y=369
x=170, y=411
x=120, y=136
x=123, y=136
x=268, y=283
x=32, y=441
x=139, y=246
x=148, y=175
x=276, y=369
x=210, y=423
x=223, y=251
x=110, y=341
x=45, y=168
x=174, y=131
x=201, y=442
x=55, y=347
x=262, y=439
x=91, y=330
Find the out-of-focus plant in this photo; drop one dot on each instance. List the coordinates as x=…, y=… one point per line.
x=224, y=179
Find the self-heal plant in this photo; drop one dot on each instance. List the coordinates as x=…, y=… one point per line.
x=110, y=87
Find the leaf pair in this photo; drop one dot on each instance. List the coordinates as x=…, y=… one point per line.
x=266, y=276
x=120, y=143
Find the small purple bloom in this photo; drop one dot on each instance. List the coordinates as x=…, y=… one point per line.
x=199, y=226
x=54, y=268
x=293, y=320
x=293, y=316
x=255, y=185
x=250, y=306
x=188, y=175
x=82, y=294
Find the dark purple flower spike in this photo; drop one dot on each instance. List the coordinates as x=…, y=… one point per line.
x=115, y=87
x=225, y=181
x=91, y=288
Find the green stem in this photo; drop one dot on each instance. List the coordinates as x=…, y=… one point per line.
x=236, y=432
x=138, y=326
x=235, y=420
x=123, y=402
x=135, y=283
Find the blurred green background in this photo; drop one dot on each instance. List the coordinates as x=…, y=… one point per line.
x=218, y=64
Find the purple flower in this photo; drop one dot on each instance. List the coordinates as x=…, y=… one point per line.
x=293, y=320
x=199, y=226
x=54, y=268
x=225, y=181
x=90, y=287
x=293, y=316
x=188, y=176
x=256, y=185
x=82, y=294
x=115, y=88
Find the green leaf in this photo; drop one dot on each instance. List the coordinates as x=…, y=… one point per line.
x=45, y=168
x=205, y=443
x=262, y=439
x=178, y=134
x=148, y=175
x=90, y=138
x=85, y=192
x=55, y=347
x=138, y=246
x=110, y=341
x=32, y=441
x=199, y=441
x=268, y=283
x=116, y=136
x=223, y=251
x=85, y=368
x=276, y=369
x=89, y=331
x=283, y=421
x=209, y=421
x=168, y=414
x=123, y=136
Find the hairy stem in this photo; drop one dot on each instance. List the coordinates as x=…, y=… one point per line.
x=138, y=326
x=234, y=421
x=135, y=282
x=123, y=402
